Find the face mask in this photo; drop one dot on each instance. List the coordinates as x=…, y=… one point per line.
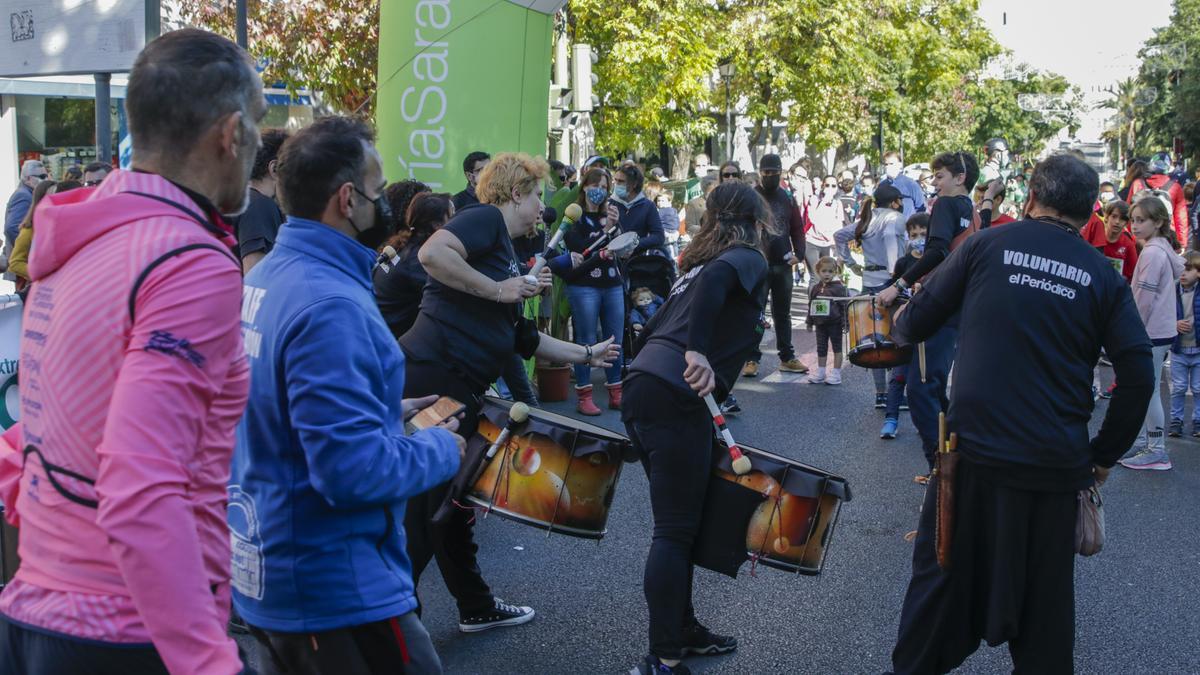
x=892, y=170
x=596, y=195
x=770, y=183
x=381, y=229
x=917, y=244
x=1106, y=197
x=620, y=192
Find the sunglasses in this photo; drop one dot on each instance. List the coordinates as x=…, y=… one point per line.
x=731, y=175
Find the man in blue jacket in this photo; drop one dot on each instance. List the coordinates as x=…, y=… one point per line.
x=913, y=198
x=323, y=469
x=19, y=203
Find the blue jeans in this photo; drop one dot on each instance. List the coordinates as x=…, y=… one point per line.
x=926, y=400
x=1185, y=375
x=589, y=305
x=895, y=391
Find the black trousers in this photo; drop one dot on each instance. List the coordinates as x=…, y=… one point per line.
x=452, y=543
x=391, y=647
x=673, y=433
x=780, y=279
x=28, y=651
x=1011, y=579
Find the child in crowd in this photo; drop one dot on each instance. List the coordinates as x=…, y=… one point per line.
x=827, y=316
x=645, y=305
x=917, y=226
x=1154, y=278
x=1112, y=237
x=1185, y=352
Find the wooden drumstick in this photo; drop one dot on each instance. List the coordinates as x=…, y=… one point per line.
x=941, y=432
x=517, y=414
x=741, y=463
x=921, y=359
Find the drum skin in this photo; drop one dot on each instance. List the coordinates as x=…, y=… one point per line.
x=871, y=343
x=538, y=481
x=780, y=525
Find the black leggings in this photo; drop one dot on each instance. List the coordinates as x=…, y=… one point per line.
x=453, y=543
x=828, y=335
x=672, y=431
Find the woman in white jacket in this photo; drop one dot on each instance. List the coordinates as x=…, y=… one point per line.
x=1154, y=278
x=880, y=233
x=827, y=216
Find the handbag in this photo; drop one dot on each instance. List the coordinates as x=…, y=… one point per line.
x=1089, y=523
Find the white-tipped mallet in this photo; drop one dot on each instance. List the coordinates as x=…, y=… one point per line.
x=740, y=462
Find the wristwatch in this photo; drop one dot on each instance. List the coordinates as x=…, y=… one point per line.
x=901, y=284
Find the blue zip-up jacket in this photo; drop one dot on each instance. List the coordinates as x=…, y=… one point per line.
x=1178, y=344
x=322, y=468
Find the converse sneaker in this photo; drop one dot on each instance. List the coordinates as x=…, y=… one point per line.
x=880, y=401
x=1176, y=429
x=702, y=641
x=501, y=614
x=730, y=406
x=651, y=665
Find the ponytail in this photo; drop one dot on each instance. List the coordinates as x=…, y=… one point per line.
x=864, y=219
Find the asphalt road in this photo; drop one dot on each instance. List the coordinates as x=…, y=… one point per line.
x=1136, y=601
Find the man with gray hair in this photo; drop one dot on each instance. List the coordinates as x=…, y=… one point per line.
x=19, y=203
x=995, y=550
x=132, y=388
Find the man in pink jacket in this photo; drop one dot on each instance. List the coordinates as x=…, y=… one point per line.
x=133, y=380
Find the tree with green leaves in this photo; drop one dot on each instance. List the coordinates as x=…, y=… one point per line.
x=1170, y=69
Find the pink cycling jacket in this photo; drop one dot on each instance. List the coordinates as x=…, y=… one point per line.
x=133, y=377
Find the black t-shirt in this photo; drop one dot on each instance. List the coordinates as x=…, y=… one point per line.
x=781, y=204
x=1037, y=305
x=903, y=264
x=475, y=334
x=713, y=309
x=398, y=289
x=256, y=228
x=951, y=215
x=596, y=272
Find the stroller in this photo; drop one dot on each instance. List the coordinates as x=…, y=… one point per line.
x=648, y=269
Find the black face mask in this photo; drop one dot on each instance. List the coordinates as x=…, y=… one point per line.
x=770, y=183
x=384, y=226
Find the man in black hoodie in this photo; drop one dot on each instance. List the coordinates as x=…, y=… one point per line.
x=785, y=248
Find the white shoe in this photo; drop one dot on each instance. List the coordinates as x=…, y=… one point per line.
x=834, y=377
x=815, y=379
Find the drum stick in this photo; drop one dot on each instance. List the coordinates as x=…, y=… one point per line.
x=741, y=463
x=603, y=240
x=952, y=444
x=517, y=414
x=921, y=359
x=941, y=432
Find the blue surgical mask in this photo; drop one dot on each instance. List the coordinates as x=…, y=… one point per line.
x=917, y=244
x=620, y=191
x=596, y=195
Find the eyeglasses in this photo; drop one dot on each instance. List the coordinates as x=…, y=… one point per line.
x=731, y=175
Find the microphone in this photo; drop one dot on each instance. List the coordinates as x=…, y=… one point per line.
x=571, y=215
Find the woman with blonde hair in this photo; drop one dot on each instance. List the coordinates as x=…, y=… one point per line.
x=469, y=326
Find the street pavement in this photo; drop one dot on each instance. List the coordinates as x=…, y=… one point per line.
x=1136, y=601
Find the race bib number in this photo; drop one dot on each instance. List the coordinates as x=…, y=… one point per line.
x=819, y=308
x=1117, y=264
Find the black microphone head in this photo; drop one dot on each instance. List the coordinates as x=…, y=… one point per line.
x=549, y=215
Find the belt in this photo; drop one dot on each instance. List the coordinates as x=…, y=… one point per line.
x=875, y=268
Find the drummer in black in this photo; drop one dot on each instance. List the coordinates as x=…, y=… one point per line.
x=1037, y=305
x=469, y=326
x=695, y=345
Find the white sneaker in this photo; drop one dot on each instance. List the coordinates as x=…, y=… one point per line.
x=816, y=378
x=834, y=377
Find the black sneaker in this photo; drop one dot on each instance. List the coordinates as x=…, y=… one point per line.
x=650, y=665
x=880, y=401
x=702, y=641
x=904, y=403
x=502, y=614
x=1176, y=429
x=1195, y=430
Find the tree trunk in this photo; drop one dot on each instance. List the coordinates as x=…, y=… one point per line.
x=681, y=161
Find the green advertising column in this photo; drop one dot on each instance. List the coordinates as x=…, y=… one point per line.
x=457, y=76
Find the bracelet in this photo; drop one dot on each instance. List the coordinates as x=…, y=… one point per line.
x=989, y=199
x=901, y=283
x=588, y=358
